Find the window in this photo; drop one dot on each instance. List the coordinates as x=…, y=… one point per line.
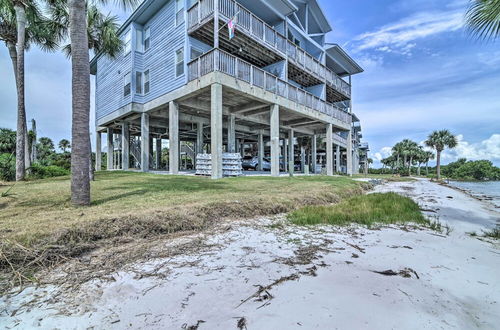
x=138, y=82
x=127, y=42
x=146, y=81
x=138, y=41
x=147, y=39
x=126, y=84
x=195, y=53
x=179, y=62
x=179, y=17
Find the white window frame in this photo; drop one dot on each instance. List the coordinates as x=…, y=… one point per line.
x=127, y=80
x=146, y=79
x=178, y=61
x=139, y=84
x=147, y=37
x=179, y=9
x=127, y=41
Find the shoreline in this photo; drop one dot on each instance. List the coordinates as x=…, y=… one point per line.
x=471, y=194
x=267, y=273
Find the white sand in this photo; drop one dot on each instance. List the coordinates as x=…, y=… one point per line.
x=458, y=285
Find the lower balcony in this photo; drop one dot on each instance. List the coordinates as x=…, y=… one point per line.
x=218, y=60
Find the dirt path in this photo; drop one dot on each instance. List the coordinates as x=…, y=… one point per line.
x=266, y=274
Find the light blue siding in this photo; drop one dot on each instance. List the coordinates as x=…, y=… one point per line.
x=277, y=69
x=159, y=59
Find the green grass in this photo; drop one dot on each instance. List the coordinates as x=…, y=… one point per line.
x=493, y=233
x=380, y=208
x=38, y=222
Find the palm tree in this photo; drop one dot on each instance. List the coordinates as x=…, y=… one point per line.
x=81, y=40
x=22, y=24
x=64, y=144
x=429, y=155
x=439, y=140
x=483, y=18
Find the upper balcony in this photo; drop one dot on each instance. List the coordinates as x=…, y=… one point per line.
x=263, y=45
x=220, y=61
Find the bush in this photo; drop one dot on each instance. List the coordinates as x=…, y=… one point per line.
x=476, y=170
x=7, y=167
x=40, y=172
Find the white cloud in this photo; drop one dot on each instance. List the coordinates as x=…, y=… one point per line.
x=487, y=149
x=400, y=36
x=383, y=153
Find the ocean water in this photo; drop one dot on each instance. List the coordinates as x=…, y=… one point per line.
x=488, y=191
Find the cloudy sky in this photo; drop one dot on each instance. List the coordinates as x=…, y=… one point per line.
x=422, y=72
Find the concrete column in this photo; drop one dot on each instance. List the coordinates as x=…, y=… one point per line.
x=314, y=155
x=285, y=155
x=291, y=153
x=125, y=146
x=199, y=138
x=329, y=149
x=349, y=153
x=173, y=137
x=275, y=140
x=261, y=150
x=110, y=148
x=216, y=130
x=337, y=159
x=302, y=159
x=98, y=153
x=158, y=154
x=231, y=134
x=144, y=142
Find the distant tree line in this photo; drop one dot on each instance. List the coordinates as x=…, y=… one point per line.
x=408, y=157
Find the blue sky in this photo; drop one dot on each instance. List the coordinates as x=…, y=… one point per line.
x=422, y=72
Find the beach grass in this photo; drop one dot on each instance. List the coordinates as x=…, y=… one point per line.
x=492, y=233
x=370, y=209
x=38, y=222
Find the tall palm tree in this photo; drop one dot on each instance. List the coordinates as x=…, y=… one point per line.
x=483, y=18
x=428, y=157
x=439, y=140
x=22, y=24
x=80, y=66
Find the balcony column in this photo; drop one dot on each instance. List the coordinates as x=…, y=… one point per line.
x=98, y=149
x=260, y=150
x=173, y=137
x=110, y=149
x=349, y=154
x=285, y=155
x=231, y=134
x=145, y=142
x=291, y=153
x=158, y=154
x=275, y=140
x=302, y=159
x=216, y=24
x=314, y=155
x=337, y=159
x=216, y=130
x=329, y=150
x=125, y=146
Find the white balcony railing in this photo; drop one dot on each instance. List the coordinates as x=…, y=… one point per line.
x=218, y=60
x=253, y=26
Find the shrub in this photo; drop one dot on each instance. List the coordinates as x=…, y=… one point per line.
x=7, y=167
x=40, y=172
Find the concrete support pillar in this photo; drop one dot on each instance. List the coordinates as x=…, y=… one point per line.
x=329, y=149
x=231, y=134
x=337, y=159
x=98, y=153
x=125, y=146
x=158, y=154
x=275, y=140
x=173, y=137
x=302, y=159
x=260, y=150
x=349, y=153
x=199, y=138
x=285, y=155
x=291, y=153
x=216, y=130
x=110, y=149
x=314, y=155
x=144, y=142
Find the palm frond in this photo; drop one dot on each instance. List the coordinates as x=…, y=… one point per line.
x=483, y=19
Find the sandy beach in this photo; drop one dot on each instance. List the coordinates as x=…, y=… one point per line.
x=268, y=274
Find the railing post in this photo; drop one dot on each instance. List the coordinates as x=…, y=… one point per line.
x=199, y=67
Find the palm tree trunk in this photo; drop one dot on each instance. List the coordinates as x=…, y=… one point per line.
x=427, y=168
x=438, y=163
x=80, y=135
x=418, y=169
x=21, y=111
x=409, y=166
